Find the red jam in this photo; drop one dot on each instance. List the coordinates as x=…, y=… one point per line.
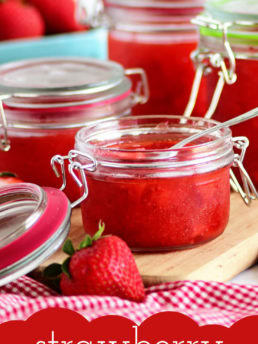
x=168, y=65
x=31, y=153
x=237, y=99
x=51, y=98
x=157, y=213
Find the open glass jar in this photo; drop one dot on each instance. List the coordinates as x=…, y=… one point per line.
x=228, y=56
x=46, y=101
x=153, y=197
x=158, y=37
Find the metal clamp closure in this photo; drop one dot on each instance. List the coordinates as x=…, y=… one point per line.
x=74, y=166
x=204, y=61
x=91, y=13
x=142, y=92
x=248, y=191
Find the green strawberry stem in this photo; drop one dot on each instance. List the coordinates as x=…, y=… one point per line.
x=100, y=231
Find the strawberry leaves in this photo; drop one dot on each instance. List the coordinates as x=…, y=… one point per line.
x=7, y=174
x=68, y=247
x=65, y=267
x=53, y=272
x=51, y=276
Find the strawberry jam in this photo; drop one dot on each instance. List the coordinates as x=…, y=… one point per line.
x=50, y=100
x=31, y=153
x=152, y=197
x=159, y=38
x=168, y=66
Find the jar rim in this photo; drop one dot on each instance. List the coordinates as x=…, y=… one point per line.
x=156, y=3
x=114, y=95
x=227, y=132
x=220, y=148
x=152, y=15
x=239, y=32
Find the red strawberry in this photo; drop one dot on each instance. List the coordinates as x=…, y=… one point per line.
x=59, y=15
x=19, y=21
x=8, y=178
x=101, y=266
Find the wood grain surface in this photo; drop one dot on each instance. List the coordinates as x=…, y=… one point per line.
x=219, y=260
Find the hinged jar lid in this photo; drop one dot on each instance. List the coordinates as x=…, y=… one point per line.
x=34, y=222
x=237, y=19
x=233, y=10
x=58, y=80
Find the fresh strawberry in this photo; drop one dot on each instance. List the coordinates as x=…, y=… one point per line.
x=59, y=15
x=8, y=178
x=101, y=266
x=18, y=20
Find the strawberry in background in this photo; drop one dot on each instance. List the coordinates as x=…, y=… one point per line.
x=59, y=15
x=19, y=20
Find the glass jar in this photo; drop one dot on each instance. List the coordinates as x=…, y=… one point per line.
x=228, y=56
x=158, y=37
x=46, y=101
x=153, y=197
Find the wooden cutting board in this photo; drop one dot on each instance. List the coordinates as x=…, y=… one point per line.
x=219, y=260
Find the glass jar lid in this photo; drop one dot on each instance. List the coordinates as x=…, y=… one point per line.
x=53, y=80
x=34, y=222
x=233, y=10
x=239, y=16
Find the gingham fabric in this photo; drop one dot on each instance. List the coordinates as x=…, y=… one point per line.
x=205, y=302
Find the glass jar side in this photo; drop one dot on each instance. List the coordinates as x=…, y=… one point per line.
x=238, y=96
x=153, y=200
x=37, y=133
x=156, y=214
x=165, y=56
x=159, y=40
x=31, y=152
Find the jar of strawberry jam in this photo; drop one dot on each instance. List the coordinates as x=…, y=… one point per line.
x=158, y=37
x=228, y=56
x=46, y=101
x=152, y=196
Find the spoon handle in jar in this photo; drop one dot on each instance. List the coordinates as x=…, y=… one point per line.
x=239, y=119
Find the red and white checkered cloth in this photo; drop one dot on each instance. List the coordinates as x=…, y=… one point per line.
x=205, y=302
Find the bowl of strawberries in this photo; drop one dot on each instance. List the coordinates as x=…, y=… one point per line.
x=46, y=28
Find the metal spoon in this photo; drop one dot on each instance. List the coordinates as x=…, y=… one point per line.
x=239, y=119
